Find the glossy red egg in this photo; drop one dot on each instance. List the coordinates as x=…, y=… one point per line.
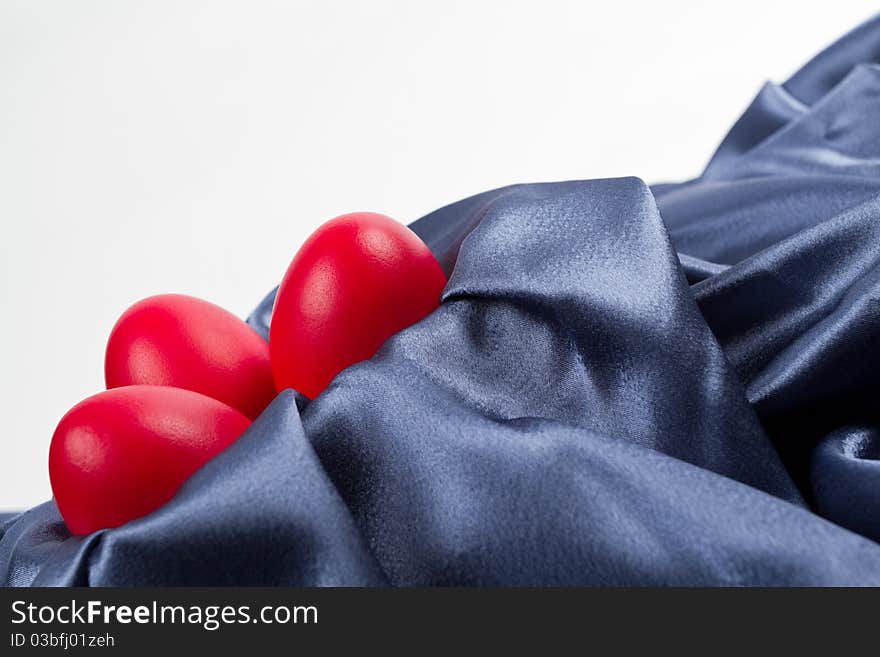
x=185, y=342
x=124, y=452
x=359, y=279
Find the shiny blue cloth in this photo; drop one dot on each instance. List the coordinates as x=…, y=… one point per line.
x=624, y=385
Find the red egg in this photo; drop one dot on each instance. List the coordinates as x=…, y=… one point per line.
x=359, y=279
x=124, y=452
x=185, y=342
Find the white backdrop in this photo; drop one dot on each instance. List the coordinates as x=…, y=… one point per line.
x=191, y=146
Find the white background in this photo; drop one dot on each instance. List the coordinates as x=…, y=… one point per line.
x=151, y=147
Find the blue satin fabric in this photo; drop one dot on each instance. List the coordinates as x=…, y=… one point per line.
x=624, y=385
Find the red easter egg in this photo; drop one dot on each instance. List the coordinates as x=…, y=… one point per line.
x=359, y=279
x=123, y=453
x=185, y=342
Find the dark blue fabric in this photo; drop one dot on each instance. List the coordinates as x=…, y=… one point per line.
x=623, y=385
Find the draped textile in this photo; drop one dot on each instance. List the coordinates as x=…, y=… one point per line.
x=623, y=385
